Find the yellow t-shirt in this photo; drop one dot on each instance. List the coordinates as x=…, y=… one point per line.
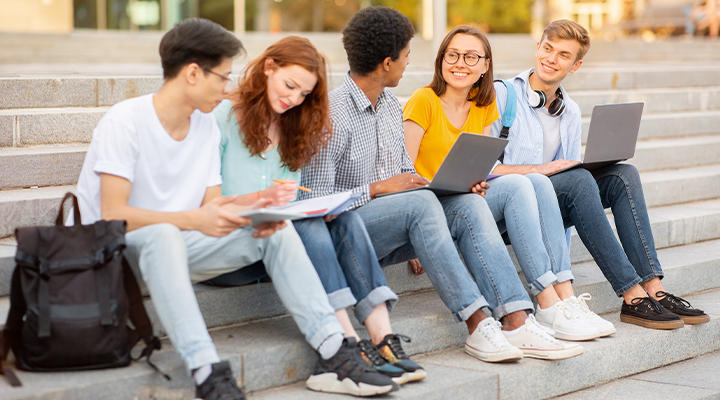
x=425, y=109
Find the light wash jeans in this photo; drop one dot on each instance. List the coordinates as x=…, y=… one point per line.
x=583, y=198
x=526, y=207
x=345, y=260
x=418, y=224
x=170, y=260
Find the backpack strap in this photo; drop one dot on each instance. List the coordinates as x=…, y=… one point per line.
x=510, y=110
x=140, y=320
x=10, y=337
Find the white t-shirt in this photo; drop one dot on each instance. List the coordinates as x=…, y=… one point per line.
x=166, y=175
x=551, y=133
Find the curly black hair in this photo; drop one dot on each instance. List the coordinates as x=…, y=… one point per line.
x=373, y=34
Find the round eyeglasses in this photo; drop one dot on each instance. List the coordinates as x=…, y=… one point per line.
x=471, y=59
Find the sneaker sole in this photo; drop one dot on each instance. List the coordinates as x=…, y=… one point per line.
x=608, y=332
x=576, y=338
x=628, y=319
x=410, y=377
x=553, y=354
x=329, y=383
x=694, y=320
x=501, y=356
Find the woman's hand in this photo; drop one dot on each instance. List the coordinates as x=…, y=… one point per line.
x=279, y=194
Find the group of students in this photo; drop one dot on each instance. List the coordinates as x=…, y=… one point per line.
x=179, y=164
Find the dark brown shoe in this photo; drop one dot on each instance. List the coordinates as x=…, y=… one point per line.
x=683, y=309
x=648, y=313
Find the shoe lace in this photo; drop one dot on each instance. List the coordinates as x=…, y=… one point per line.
x=538, y=330
x=396, y=345
x=371, y=353
x=674, y=299
x=493, y=333
x=653, y=303
x=566, y=310
x=581, y=302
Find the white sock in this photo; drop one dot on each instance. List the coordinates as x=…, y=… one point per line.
x=511, y=333
x=330, y=346
x=202, y=373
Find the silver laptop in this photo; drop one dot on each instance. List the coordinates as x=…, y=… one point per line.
x=612, y=136
x=468, y=163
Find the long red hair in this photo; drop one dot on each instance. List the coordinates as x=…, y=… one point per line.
x=304, y=129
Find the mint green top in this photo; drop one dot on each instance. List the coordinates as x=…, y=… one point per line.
x=242, y=173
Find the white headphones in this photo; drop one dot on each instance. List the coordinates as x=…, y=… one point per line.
x=537, y=99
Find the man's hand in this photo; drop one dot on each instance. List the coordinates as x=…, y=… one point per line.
x=481, y=188
x=262, y=231
x=397, y=183
x=416, y=267
x=280, y=194
x=549, y=168
x=217, y=217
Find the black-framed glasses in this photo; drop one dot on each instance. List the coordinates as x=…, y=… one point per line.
x=471, y=59
x=223, y=77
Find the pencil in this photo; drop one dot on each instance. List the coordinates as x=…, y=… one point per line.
x=303, y=188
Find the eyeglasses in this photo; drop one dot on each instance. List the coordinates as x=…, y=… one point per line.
x=223, y=77
x=471, y=59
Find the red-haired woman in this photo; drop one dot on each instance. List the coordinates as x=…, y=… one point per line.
x=271, y=125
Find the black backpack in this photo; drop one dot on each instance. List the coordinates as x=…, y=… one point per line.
x=71, y=296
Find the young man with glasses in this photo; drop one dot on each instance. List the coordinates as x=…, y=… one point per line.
x=154, y=162
x=544, y=138
x=366, y=153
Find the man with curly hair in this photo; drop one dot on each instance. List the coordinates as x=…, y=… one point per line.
x=366, y=153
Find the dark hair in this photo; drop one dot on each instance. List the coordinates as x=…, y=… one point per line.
x=196, y=40
x=373, y=34
x=568, y=30
x=304, y=129
x=483, y=91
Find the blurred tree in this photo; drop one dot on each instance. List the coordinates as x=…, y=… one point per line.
x=220, y=11
x=492, y=16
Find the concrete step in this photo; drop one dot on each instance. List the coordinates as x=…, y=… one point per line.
x=676, y=152
x=672, y=125
x=35, y=126
x=271, y=353
x=693, y=379
x=24, y=167
x=682, y=185
x=28, y=207
x=668, y=88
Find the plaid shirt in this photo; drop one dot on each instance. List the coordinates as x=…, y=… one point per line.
x=367, y=145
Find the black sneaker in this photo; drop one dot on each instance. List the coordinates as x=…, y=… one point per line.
x=647, y=312
x=682, y=308
x=391, y=350
x=370, y=354
x=220, y=385
x=348, y=373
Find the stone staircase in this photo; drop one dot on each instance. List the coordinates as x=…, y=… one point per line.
x=46, y=122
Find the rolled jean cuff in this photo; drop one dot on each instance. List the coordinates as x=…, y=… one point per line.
x=465, y=313
x=204, y=356
x=341, y=299
x=564, y=276
x=654, y=274
x=509, y=308
x=379, y=295
x=625, y=288
x=323, y=330
x=542, y=282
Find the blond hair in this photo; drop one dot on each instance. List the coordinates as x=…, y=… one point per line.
x=565, y=29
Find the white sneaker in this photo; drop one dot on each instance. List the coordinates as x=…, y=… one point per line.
x=566, y=322
x=535, y=343
x=489, y=344
x=605, y=327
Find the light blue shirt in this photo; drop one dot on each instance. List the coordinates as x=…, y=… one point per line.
x=526, y=136
x=241, y=172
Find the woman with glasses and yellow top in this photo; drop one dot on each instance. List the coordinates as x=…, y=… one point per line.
x=461, y=98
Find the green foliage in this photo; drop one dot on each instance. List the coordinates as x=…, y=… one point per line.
x=492, y=16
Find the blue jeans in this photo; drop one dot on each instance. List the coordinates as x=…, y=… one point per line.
x=170, y=260
x=583, y=197
x=345, y=261
x=418, y=224
x=526, y=207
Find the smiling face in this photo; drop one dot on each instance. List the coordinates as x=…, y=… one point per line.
x=287, y=87
x=460, y=76
x=555, y=59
